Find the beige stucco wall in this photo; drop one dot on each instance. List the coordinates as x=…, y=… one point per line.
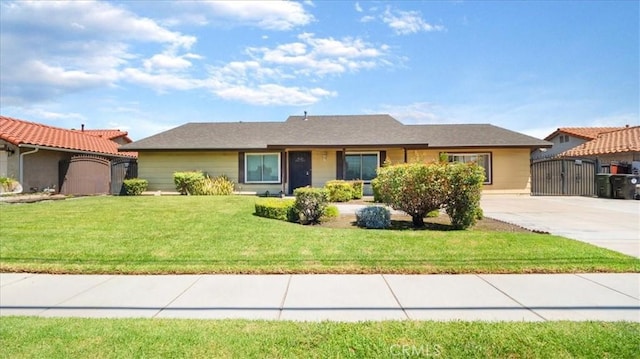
x=323, y=164
x=511, y=171
x=158, y=169
x=41, y=169
x=510, y=167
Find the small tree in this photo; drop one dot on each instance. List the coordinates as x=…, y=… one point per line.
x=419, y=188
x=416, y=188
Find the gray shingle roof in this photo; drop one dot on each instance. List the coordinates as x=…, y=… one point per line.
x=330, y=131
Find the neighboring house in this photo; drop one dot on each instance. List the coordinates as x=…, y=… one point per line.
x=311, y=150
x=117, y=136
x=613, y=149
x=43, y=157
x=565, y=138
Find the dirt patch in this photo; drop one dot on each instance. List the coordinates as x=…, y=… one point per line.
x=440, y=223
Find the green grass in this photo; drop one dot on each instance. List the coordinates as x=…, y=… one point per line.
x=193, y=234
x=30, y=337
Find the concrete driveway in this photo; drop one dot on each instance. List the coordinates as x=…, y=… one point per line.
x=608, y=223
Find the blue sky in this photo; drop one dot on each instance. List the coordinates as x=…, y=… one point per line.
x=145, y=67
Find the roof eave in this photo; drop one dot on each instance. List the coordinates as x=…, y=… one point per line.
x=61, y=149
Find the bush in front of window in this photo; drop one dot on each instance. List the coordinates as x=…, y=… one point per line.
x=414, y=188
x=358, y=188
x=281, y=209
x=135, y=186
x=373, y=217
x=339, y=191
x=418, y=189
x=463, y=202
x=311, y=204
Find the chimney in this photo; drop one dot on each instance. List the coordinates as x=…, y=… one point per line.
x=305, y=116
x=82, y=127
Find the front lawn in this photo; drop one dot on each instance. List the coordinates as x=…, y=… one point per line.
x=30, y=337
x=193, y=234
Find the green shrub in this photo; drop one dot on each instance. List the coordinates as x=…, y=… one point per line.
x=282, y=209
x=463, y=202
x=188, y=183
x=358, y=188
x=339, y=191
x=375, y=186
x=135, y=186
x=198, y=183
x=419, y=189
x=416, y=188
x=216, y=186
x=310, y=204
x=433, y=214
x=374, y=217
x=330, y=212
x=8, y=184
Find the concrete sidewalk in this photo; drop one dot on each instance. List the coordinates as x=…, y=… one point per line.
x=608, y=297
x=609, y=223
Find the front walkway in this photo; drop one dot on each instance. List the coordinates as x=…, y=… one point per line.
x=533, y=297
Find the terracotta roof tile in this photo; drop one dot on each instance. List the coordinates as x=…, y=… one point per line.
x=625, y=140
x=108, y=134
x=586, y=133
x=19, y=132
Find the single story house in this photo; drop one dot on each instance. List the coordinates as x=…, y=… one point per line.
x=40, y=156
x=566, y=138
x=306, y=150
x=613, y=149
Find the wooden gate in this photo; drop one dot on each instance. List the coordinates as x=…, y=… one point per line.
x=84, y=174
x=122, y=169
x=563, y=177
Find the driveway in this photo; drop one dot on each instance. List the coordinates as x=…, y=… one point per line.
x=608, y=223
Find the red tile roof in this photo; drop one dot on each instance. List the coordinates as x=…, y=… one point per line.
x=19, y=132
x=586, y=133
x=625, y=140
x=108, y=134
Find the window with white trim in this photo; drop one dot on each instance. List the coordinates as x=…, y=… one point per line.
x=361, y=166
x=481, y=159
x=262, y=167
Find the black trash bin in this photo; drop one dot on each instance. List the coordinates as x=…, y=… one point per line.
x=603, y=183
x=624, y=186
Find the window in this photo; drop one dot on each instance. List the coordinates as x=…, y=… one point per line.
x=262, y=167
x=482, y=159
x=361, y=166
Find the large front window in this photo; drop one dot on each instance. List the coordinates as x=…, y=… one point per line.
x=262, y=167
x=481, y=159
x=361, y=166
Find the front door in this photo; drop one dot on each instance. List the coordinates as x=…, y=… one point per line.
x=299, y=169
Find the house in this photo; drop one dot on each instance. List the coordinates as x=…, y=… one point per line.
x=45, y=157
x=565, y=138
x=618, y=150
x=306, y=150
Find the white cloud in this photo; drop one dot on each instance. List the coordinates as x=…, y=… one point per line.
x=407, y=22
x=270, y=15
x=272, y=94
x=358, y=7
x=367, y=18
x=52, y=48
x=314, y=56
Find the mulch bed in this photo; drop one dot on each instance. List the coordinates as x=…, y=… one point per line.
x=441, y=223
